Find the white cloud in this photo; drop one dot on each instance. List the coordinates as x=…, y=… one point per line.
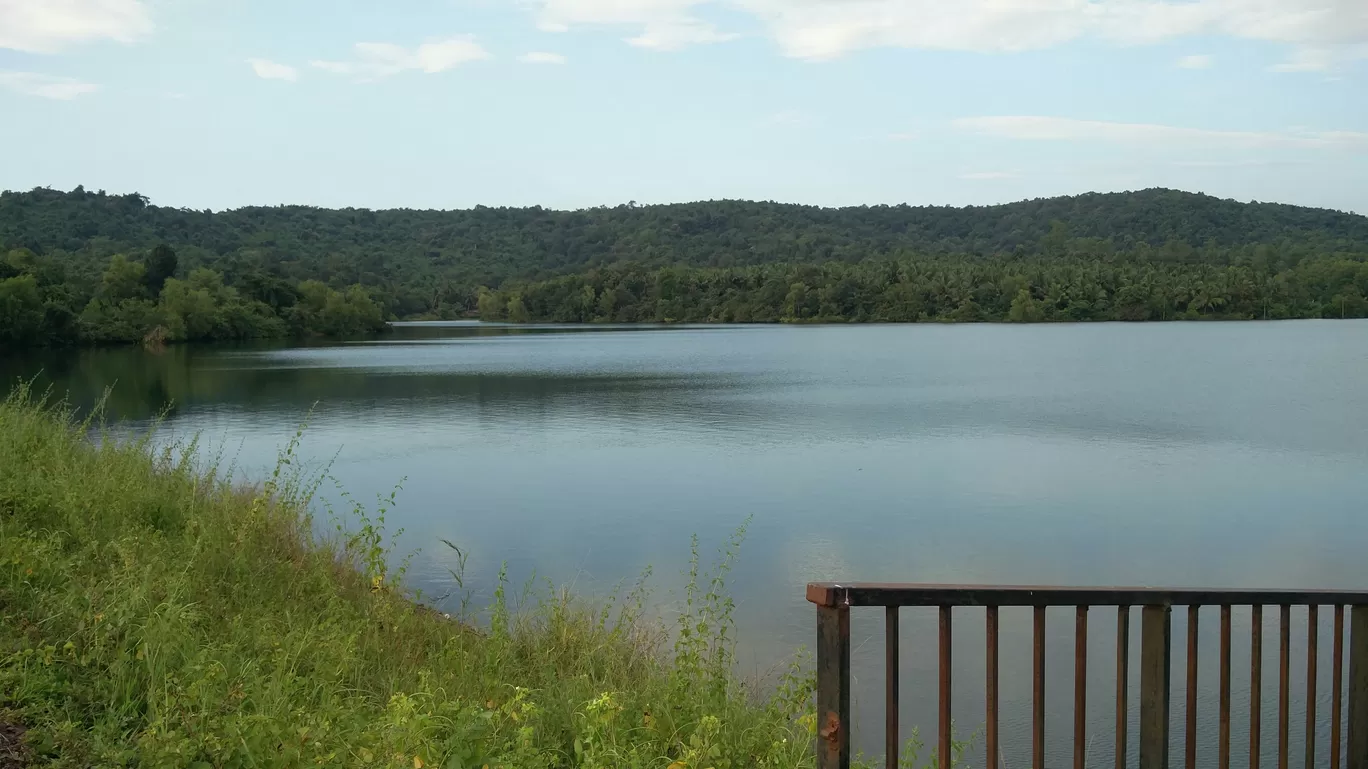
x=1223, y=164
x=678, y=35
x=1309, y=60
x=46, y=26
x=664, y=25
x=985, y=176
x=270, y=70
x=377, y=60
x=823, y=29
x=45, y=86
x=1196, y=61
x=788, y=117
x=1038, y=128
x=335, y=67
x=541, y=57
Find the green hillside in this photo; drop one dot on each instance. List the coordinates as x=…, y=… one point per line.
x=1179, y=254
x=488, y=245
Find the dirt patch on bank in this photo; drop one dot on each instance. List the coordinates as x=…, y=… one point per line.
x=13, y=753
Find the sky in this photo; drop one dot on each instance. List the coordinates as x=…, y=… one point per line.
x=577, y=103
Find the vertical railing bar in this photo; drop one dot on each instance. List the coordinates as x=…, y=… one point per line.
x=1155, y=672
x=891, y=687
x=1284, y=660
x=1081, y=688
x=1038, y=690
x=943, y=755
x=1223, y=750
x=1312, y=631
x=833, y=687
x=1336, y=687
x=1356, y=747
x=1122, y=681
x=1255, y=683
x=1190, y=748
x=992, y=688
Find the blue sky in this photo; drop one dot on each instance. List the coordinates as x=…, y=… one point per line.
x=573, y=103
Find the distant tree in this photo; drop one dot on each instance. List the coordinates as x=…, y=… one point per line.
x=1056, y=240
x=271, y=290
x=126, y=321
x=798, y=304
x=194, y=307
x=123, y=279
x=324, y=311
x=491, y=305
x=161, y=264
x=18, y=261
x=21, y=311
x=607, y=304
x=1133, y=303
x=968, y=311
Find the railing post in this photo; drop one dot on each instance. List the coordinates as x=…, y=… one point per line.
x=891, y=741
x=833, y=687
x=1155, y=655
x=1356, y=756
x=1038, y=689
x=994, y=753
x=1122, y=682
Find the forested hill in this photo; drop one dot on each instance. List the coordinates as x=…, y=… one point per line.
x=83, y=266
x=485, y=246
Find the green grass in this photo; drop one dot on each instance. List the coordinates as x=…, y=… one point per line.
x=157, y=615
x=154, y=615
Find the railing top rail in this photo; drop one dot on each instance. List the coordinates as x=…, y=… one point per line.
x=912, y=594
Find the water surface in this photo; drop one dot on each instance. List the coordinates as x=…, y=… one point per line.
x=1213, y=454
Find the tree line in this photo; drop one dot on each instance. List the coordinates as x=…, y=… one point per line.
x=141, y=301
x=92, y=267
x=942, y=289
x=432, y=263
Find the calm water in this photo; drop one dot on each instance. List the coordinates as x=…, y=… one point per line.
x=1163, y=454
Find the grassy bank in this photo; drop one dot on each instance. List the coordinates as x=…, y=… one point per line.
x=156, y=616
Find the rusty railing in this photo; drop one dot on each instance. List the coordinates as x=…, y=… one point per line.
x=834, y=602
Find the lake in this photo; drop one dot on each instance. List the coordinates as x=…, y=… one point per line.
x=1192, y=454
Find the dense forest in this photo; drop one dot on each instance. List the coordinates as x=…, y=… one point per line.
x=45, y=303
x=950, y=290
x=92, y=267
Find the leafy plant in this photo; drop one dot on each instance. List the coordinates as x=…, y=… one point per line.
x=156, y=613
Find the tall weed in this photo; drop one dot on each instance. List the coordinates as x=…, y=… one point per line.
x=155, y=614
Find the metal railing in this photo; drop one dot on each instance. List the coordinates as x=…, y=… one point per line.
x=834, y=602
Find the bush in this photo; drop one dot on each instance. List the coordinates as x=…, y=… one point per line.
x=130, y=320
x=201, y=308
x=322, y=310
x=21, y=311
